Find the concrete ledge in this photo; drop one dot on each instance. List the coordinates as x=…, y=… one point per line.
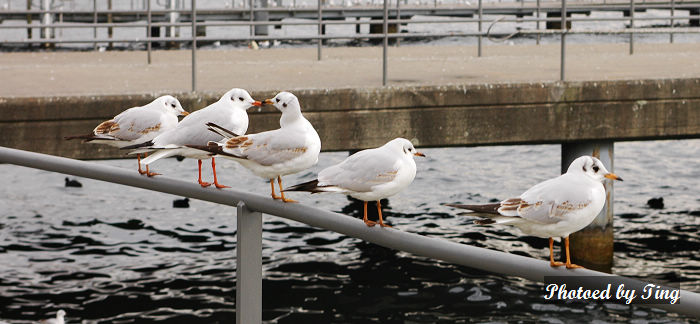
x=432, y=116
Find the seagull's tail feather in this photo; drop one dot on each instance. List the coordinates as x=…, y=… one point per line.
x=140, y=145
x=487, y=209
x=159, y=155
x=214, y=149
x=221, y=131
x=310, y=186
x=86, y=137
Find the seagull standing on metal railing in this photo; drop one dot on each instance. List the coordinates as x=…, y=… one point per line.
x=293, y=147
x=553, y=208
x=229, y=111
x=137, y=125
x=372, y=174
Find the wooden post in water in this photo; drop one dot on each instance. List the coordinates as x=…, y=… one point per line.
x=592, y=247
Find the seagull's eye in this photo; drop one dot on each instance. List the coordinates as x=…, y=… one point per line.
x=240, y=98
x=172, y=105
x=584, y=169
x=233, y=98
x=284, y=105
x=595, y=168
x=278, y=99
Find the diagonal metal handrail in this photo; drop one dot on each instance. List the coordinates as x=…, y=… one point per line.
x=436, y=248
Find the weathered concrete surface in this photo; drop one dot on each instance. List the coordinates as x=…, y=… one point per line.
x=49, y=74
x=450, y=115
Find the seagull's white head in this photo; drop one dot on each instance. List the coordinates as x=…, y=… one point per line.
x=239, y=98
x=284, y=102
x=60, y=314
x=171, y=105
x=591, y=167
x=403, y=146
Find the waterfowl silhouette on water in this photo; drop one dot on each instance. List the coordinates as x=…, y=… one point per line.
x=73, y=183
x=181, y=203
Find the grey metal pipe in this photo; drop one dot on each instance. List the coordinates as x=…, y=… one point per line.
x=564, y=30
x=538, y=22
x=631, y=26
x=480, y=29
x=398, y=24
x=673, y=11
x=148, y=30
x=94, y=19
x=194, y=45
x=248, y=265
x=320, y=29
x=436, y=248
x=385, y=42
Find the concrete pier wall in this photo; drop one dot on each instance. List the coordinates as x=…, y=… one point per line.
x=431, y=116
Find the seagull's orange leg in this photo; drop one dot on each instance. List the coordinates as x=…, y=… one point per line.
x=272, y=189
x=148, y=173
x=569, y=265
x=367, y=221
x=201, y=183
x=279, y=181
x=138, y=158
x=551, y=255
x=216, y=183
x=379, y=210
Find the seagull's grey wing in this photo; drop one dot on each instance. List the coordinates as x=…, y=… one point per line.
x=133, y=123
x=268, y=148
x=361, y=171
x=549, y=201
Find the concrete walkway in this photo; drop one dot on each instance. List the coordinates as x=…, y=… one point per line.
x=45, y=74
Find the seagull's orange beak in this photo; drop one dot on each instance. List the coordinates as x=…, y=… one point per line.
x=267, y=102
x=184, y=113
x=419, y=154
x=612, y=176
x=257, y=103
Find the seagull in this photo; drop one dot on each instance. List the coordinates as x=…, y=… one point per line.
x=371, y=174
x=556, y=207
x=229, y=112
x=137, y=125
x=58, y=320
x=291, y=148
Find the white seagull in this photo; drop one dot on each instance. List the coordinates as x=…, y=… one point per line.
x=137, y=125
x=367, y=175
x=229, y=112
x=553, y=208
x=58, y=320
x=291, y=148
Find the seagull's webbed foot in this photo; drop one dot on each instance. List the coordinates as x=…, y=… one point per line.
x=555, y=264
x=573, y=266
x=368, y=222
x=287, y=200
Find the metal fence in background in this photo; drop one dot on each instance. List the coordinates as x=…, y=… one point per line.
x=256, y=17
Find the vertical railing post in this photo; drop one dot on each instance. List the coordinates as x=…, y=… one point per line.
x=320, y=28
x=252, y=16
x=398, y=24
x=592, y=247
x=673, y=13
x=386, y=41
x=481, y=13
x=29, y=20
x=562, y=66
x=94, y=21
x=109, y=21
x=46, y=19
x=631, y=27
x=248, y=265
x=149, y=32
x=538, y=22
x=194, y=45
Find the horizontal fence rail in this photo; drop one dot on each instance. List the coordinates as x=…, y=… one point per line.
x=435, y=248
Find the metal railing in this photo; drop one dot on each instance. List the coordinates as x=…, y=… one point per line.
x=251, y=11
x=249, y=234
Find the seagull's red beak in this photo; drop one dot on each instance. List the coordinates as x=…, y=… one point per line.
x=257, y=103
x=419, y=154
x=184, y=113
x=267, y=102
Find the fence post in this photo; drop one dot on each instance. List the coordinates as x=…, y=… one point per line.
x=149, y=32
x=248, y=265
x=320, y=28
x=538, y=22
x=631, y=27
x=673, y=10
x=592, y=247
x=94, y=21
x=562, y=67
x=194, y=45
x=481, y=13
x=386, y=41
x=398, y=24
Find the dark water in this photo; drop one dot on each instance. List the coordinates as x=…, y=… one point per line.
x=107, y=253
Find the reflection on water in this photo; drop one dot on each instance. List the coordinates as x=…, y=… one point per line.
x=107, y=253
